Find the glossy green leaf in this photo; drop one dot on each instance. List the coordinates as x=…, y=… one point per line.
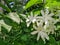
x=52, y=4
x=32, y=2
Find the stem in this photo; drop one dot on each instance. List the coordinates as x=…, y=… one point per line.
x=44, y=1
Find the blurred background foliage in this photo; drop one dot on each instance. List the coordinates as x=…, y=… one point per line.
x=20, y=34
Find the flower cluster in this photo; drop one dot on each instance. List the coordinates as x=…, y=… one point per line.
x=43, y=25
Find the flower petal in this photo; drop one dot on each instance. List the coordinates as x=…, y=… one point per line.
x=28, y=24
x=34, y=32
x=39, y=34
x=42, y=12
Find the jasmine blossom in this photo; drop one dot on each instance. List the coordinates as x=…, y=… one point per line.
x=45, y=25
x=46, y=17
x=31, y=19
x=49, y=28
x=41, y=33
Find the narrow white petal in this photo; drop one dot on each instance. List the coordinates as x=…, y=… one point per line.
x=39, y=34
x=43, y=38
x=34, y=32
x=28, y=24
x=51, y=14
x=34, y=27
x=42, y=12
x=46, y=36
x=27, y=20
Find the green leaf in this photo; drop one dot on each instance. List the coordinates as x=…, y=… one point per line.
x=2, y=42
x=52, y=40
x=52, y=4
x=36, y=12
x=24, y=37
x=32, y=2
x=58, y=42
x=40, y=42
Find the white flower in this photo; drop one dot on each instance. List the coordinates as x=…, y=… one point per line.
x=14, y=17
x=49, y=28
x=2, y=23
x=39, y=22
x=31, y=19
x=45, y=25
x=48, y=21
x=41, y=33
x=46, y=17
